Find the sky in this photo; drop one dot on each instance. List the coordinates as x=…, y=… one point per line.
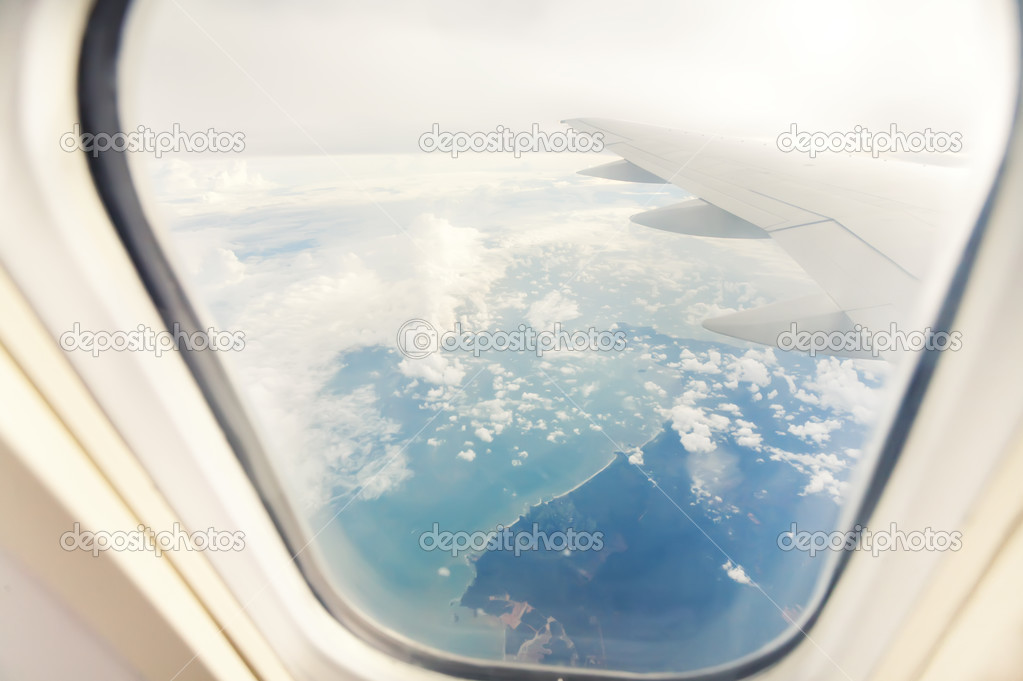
x=344, y=77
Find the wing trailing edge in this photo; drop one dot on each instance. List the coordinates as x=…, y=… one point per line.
x=623, y=171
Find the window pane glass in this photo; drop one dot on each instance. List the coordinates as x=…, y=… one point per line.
x=496, y=400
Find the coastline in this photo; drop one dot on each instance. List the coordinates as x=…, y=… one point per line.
x=614, y=457
x=471, y=557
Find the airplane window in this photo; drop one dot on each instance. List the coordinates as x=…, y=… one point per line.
x=624, y=420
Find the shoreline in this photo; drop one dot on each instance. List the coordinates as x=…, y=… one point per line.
x=614, y=457
x=471, y=558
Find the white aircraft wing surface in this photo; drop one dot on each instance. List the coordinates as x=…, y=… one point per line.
x=863, y=228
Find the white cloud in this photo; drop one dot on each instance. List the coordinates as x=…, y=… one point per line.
x=824, y=481
x=837, y=386
x=554, y=307
x=650, y=386
x=555, y=434
x=435, y=368
x=820, y=469
x=817, y=431
x=746, y=437
x=736, y=573
x=696, y=427
x=750, y=368
x=695, y=391
x=690, y=362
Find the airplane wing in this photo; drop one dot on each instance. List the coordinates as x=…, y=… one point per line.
x=864, y=229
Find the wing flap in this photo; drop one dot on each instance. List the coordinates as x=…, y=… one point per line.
x=624, y=171
x=770, y=324
x=699, y=218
